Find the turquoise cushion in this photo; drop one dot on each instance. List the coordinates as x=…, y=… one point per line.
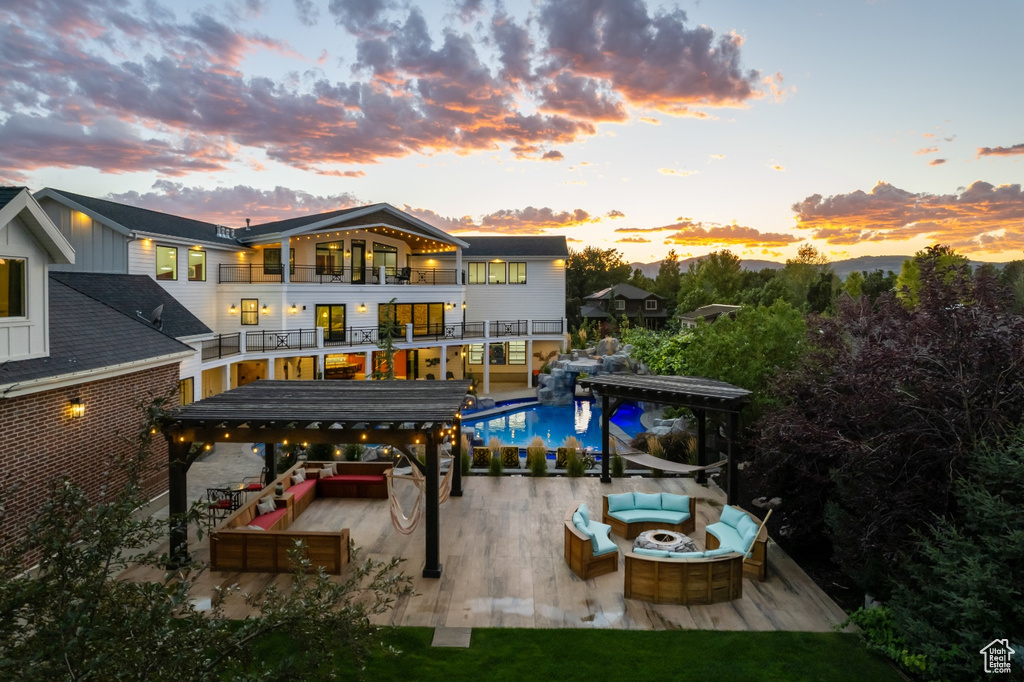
x=686, y=555
x=745, y=525
x=577, y=520
x=620, y=501
x=673, y=502
x=748, y=539
x=727, y=535
x=602, y=543
x=584, y=512
x=650, y=552
x=731, y=516
x=650, y=515
x=721, y=551
x=647, y=500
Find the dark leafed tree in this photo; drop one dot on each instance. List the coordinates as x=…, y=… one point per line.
x=667, y=282
x=882, y=414
x=715, y=278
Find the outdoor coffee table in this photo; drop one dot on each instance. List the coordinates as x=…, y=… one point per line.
x=668, y=540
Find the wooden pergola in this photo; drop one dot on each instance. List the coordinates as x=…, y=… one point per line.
x=697, y=393
x=395, y=413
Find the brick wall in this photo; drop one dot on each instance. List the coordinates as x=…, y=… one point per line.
x=38, y=439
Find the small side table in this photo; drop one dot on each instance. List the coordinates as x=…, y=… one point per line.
x=287, y=501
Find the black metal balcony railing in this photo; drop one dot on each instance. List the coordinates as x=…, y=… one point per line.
x=509, y=328
x=290, y=339
x=257, y=273
x=222, y=346
x=547, y=327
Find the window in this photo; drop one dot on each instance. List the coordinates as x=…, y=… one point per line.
x=495, y=273
x=330, y=258
x=478, y=273
x=12, y=287
x=651, y=304
x=332, y=319
x=517, y=273
x=250, y=311
x=386, y=256
x=272, y=261
x=476, y=353
x=620, y=304
x=497, y=354
x=517, y=352
x=427, y=319
x=166, y=263
x=186, y=390
x=197, y=266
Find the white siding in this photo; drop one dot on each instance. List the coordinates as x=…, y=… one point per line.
x=26, y=337
x=541, y=298
x=97, y=247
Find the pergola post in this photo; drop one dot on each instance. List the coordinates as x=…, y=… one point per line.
x=702, y=444
x=606, y=417
x=457, y=458
x=734, y=448
x=270, y=461
x=431, y=512
x=177, y=501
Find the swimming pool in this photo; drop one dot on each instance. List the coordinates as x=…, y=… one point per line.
x=554, y=424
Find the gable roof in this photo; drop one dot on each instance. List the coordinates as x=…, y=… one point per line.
x=18, y=202
x=507, y=246
x=132, y=294
x=127, y=219
x=626, y=291
x=86, y=335
x=310, y=223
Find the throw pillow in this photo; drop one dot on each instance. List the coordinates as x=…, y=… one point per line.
x=731, y=516
x=266, y=506
x=672, y=502
x=584, y=512
x=254, y=528
x=647, y=500
x=328, y=470
x=620, y=501
x=297, y=480
x=301, y=473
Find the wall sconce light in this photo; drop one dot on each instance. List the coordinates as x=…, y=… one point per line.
x=463, y=305
x=294, y=309
x=77, y=408
x=264, y=310
x=232, y=309
x=362, y=307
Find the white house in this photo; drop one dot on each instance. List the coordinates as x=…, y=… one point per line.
x=305, y=297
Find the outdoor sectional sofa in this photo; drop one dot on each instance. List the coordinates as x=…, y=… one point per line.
x=737, y=530
x=630, y=514
x=683, y=577
x=589, y=551
x=249, y=540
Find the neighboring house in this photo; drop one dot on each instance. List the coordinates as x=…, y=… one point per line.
x=73, y=370
x=708, y=313
x=305, y=297
x=609, y=306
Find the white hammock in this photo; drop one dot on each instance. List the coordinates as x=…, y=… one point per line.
x=407, y=524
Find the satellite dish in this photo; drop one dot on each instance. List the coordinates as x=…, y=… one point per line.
x=156, y=317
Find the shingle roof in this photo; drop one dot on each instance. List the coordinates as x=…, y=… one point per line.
x=554, y=247
x=627, y=291
x=144, y=220
x=715, y=309
x=87, y=335
x=130, y=294
x=292, y=223
x=8, y=193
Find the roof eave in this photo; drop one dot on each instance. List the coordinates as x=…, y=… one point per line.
x=27, y=208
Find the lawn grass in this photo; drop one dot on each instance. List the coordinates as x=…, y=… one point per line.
x=596, y=655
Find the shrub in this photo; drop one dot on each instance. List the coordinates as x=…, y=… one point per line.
x=618, y=466
x=655, y=449
x=539, y=465
x=879, y=632
x=494, y=445
x=495, y=468
x=353, y=452
x=574, y=467
x=466, y=459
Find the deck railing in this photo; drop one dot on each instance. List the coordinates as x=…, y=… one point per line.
x=222, y=346
x=509, y=328
x=290, y=339
x=258, y=273
x=548, y=327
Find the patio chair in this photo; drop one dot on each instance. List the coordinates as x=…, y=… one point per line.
x=254, y=484
x=430, y=376
x=219, y=505
x=449, y=375
x=481, y=457
x=561, y=455
x=403, y=275
x=510, y=456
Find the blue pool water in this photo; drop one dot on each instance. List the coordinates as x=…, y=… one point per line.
x=554, y=424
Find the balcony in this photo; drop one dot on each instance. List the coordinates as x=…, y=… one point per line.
x=222, y=346
x=257, y=273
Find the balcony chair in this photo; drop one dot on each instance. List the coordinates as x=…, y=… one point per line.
x=403, y=275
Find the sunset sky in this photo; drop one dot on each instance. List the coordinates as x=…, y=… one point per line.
x=863, y=127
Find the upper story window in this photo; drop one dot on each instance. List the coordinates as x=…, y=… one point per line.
x=477, y=273
x=12, y=287
x=517, y=273
x=272, y=261
x=651, y=304
x=250, y=311
x=330, y=258
x=166, y=263
x=620, y=304
x=197, y=266
x=386, y=256
x=495, y=273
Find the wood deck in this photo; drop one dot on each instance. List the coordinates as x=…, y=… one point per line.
x=503, y=566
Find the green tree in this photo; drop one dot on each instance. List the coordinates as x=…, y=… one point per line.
x=964, y=585
x=667, y=282
x=641, y=281
x=875, y=284
x=715, y=278
x=387, y=331
x=1011, y=276
x=948, y=266
x=802, y=272
x=853, y=284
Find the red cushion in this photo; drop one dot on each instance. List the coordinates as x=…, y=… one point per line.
x=357, y=478
x=220, y=504
x=255, y=486
x=302, y=488
x=265, y=521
